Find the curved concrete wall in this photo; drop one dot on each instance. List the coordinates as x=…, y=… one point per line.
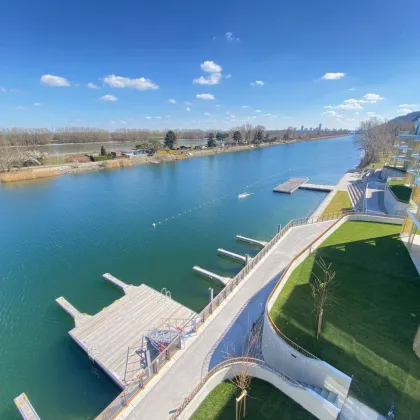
x=281, y=356
x=308, y=399
x=392, y=205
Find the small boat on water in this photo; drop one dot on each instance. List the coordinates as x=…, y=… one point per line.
x=244, y=195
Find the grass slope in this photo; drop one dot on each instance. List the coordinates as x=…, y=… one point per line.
x=340, y=202
x=369, y=329
x=264, y=401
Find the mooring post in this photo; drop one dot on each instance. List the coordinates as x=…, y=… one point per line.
x=247, y=259
x=278, y=228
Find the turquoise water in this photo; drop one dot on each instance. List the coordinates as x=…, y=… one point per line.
x=59, y=236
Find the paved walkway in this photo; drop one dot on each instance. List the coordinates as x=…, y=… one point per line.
x=228, y=324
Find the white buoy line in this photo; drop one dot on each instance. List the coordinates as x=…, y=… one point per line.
x=207, y=203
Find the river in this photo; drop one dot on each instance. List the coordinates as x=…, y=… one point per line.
x=59, y=236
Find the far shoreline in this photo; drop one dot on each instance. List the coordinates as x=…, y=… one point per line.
x=49, y=171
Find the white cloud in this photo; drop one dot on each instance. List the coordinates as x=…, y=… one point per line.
x=124, y=82
x=252, y=118
x=212, y=79
x=21, y=108
x=37, y=104
x=372, y=114
x=188, y=103
x=205, y=96
x=407, y=106
x=328, y=107
x=351, y=88
x=188, y=109
x=211, y=67
x=258, y=110
x=172, y=101
x=330, y=113
x=123, y=122
x=4, y=90
x=268, y=115
x=257, y=83
x=403, y=111
x=228, y=76
x=58, y=81
x=108, y=98
x=207, y=114
x=246, y=106
x=350, y=106
x=333, y=76
x=92, y=85
x=371, y=98
x=230, y=37
x=158, y=118
x=112, y=122
x=148, y=117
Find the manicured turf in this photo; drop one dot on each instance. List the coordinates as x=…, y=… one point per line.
x=369, y=329
x=340, y=202
x=264, y=401
x=401, y=191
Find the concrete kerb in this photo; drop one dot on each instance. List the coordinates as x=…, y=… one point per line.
x=137, y=399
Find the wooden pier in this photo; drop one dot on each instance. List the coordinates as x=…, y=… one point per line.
x=211, y=275
x=290, y=186
x=237, y=257
x=251, y=241
x=25, y=408
x=317, y=187
x=114, y=338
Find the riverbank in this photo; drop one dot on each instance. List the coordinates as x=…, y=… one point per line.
x=48, y=171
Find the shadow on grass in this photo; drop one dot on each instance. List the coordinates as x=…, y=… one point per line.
x=264, y=401
x=368, y=330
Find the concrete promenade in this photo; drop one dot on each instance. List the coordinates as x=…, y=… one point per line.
x=225, y=330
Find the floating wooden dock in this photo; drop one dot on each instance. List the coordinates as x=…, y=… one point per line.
x=237, y=257
x=211, y=275
x=115, y=337
x=251, y=241
x=317, y=187
x=25, y=407
x=290, y=186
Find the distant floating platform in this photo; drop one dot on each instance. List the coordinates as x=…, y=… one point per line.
x=114, y=338
x=290, y=186
x=317, y=187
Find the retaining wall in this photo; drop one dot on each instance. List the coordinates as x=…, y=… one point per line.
x=308, y=399
x=392, y=205
x=283, y=355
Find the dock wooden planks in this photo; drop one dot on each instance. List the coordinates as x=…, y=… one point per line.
x=108, y=335
x=290, y=186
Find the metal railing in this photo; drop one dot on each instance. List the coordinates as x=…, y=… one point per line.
x=153, y=369
x=230, y=363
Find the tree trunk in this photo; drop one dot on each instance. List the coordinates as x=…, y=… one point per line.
x=318, y=333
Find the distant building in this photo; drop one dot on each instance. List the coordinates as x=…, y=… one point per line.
x=302, y=128
x=320, y=126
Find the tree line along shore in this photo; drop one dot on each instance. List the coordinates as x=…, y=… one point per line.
x=16, y=165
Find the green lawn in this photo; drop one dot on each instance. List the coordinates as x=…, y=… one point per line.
x=368, y=330
x=340, y=202
x=264, y=401
x=401, y=191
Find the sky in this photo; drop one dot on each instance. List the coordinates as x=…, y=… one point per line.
x=211, y=65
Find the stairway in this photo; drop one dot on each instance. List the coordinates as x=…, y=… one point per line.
x=357, y=191
x=325, y=393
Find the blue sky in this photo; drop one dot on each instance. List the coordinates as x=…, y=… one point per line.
x=300, y=62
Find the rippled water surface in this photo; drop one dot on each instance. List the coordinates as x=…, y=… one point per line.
x=57, y=237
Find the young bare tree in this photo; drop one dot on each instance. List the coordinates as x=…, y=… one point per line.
x=322, y=291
